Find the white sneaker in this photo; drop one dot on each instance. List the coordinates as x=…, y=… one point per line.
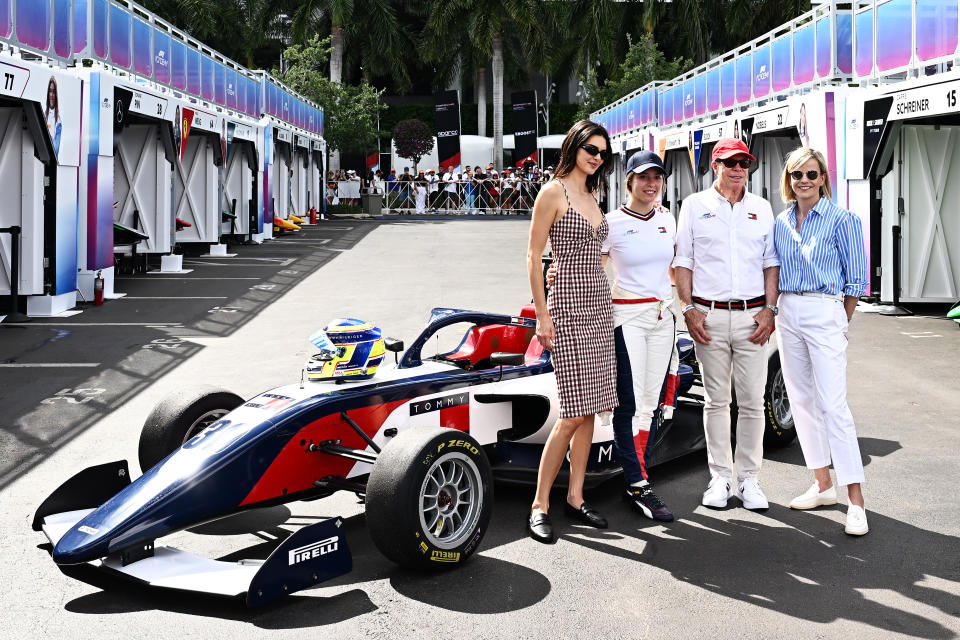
x=856, y=521
x=814, y=498
x=717, y=493
x=751, y=495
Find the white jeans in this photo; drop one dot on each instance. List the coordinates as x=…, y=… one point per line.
x=813, y=353
x=730, y=356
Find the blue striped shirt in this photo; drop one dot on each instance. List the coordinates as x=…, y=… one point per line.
x=828, y=255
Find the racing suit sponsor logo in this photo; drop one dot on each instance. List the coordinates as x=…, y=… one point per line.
x=435, y=404
x=444, y=556
x=313, y=550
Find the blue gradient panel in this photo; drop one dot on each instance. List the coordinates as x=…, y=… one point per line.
x=744, y=77
x=688, y=100
x=65, y=279
x=6, y=19
x=894, y=21
x=804, y=56
x=119, y=37
x=33, y=24
x=142, y=48
x=161, y=57
x=845, y=42
x=232, y=89
x=100, y=35
x=661, y=112
x=713, y=89
x=780, y=61
x=61, y=29
x=206, y=77
x=678, y=103
x=272, y=99
x=253, y=98
x=644, y=107
x=700, y=95
x=864, y=53
x=824, y=39
x=728, y=85
x=178, y=64
x=285, y=105
x=936, y=28
x=220, y=84
x=79, y=25
x=322, y=115
x=761, y=72
x=193, y=71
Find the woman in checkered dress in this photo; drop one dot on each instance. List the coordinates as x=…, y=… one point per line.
x=576, y=323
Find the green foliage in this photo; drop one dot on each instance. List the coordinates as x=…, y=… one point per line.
x=350, y=112
x=644, y=63
x=413, y=139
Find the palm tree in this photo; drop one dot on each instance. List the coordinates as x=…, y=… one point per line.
x=489, y=26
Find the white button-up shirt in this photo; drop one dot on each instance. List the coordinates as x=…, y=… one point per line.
x=727, y=248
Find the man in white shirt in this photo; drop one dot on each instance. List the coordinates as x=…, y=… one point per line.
x=450, y=191
x=726, y=273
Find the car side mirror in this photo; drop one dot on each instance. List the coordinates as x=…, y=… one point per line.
x=392, y=344
x=500, y=358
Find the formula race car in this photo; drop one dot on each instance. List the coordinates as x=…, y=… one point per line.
x=420, y=442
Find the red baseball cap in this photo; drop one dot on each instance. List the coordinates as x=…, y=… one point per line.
x=729, y=147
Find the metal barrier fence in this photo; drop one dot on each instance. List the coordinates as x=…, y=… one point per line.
x=462, y=197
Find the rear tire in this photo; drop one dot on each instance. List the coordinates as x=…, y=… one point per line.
x=780, y=429
x=429, y=498
x=179, y=417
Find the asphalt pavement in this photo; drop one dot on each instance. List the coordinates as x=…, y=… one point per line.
x=74, y=391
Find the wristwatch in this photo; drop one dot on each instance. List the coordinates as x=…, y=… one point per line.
x=774, y=308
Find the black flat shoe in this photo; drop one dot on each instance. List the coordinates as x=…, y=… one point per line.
x=540, y=528
x=586, y=514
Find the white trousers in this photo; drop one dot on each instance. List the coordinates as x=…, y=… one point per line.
x=811, y=333
x=731, y=357
x=650, y=335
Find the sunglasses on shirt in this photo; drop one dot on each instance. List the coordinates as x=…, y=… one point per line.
x=813, y=174
x=730, y=163
x=594, y=150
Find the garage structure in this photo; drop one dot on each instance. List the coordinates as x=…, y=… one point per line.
x=239, y=185
x=39, y=159
x=143, y=166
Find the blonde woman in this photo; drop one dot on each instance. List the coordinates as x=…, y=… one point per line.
x=823, y=272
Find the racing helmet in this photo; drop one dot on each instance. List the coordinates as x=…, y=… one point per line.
x=354, y=351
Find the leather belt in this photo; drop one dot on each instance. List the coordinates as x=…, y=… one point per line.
x=634, y=300
x=737, y=305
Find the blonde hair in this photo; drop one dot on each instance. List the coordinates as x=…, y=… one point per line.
x=796, y=158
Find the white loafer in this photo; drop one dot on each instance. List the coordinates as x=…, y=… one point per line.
x=856, y=521
x=814, y=498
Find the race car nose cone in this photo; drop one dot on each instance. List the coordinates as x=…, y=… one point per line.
x=81, y=544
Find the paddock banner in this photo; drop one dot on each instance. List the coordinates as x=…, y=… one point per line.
x=447, y=109
x=524, y=126
x=186, y=121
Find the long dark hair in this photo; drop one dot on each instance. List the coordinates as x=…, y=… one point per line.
x=578, y=134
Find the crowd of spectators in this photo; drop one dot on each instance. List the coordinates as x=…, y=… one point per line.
x=473, y=190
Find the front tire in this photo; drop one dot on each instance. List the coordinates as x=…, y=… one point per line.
x=179, y=417
x=778, y=416
x=429, y=498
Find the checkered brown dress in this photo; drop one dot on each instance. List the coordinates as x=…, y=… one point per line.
x=579, y=304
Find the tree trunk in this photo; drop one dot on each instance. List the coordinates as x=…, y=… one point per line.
x=336, y=54
x=336, y=73
x=481, y=96
x=497, y=65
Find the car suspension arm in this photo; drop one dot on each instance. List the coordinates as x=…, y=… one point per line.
x=356, y=427
x=334, y=448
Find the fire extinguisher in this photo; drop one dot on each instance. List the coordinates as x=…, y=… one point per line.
x=98, y=289
x=313, y=215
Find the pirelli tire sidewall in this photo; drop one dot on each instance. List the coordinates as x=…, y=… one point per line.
x=393, y=498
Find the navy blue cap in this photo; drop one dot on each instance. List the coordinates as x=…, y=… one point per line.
x=643, y=160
